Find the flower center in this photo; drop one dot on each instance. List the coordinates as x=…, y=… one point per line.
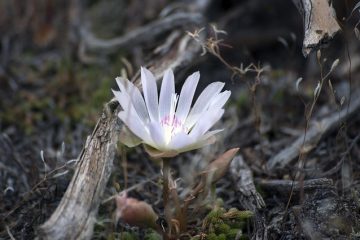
x=171, y=124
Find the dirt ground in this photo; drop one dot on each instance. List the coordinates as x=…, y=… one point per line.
x=295, y=119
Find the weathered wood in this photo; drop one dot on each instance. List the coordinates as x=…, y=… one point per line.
x=320, y=23
x=76, y=213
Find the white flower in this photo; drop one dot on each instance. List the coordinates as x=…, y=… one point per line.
x=168, y=125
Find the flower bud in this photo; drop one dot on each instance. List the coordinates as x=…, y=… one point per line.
x=135, y=212
x=217, y=168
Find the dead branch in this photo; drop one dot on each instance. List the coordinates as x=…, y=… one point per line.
x=249, y=198
x=147, y=33
x=320, y=23
x=313, y=135
x=75, y=216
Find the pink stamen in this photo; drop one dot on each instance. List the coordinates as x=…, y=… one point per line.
x=173, y=123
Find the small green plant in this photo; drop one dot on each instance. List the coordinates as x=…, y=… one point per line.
x=222, y=224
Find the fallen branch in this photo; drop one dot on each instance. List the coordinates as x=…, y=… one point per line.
x=75, y=216
x=320, y=23
x=313, y=135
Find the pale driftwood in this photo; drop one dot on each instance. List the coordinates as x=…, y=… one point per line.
x=314, y=134
x=147, y=33
x=249, y=198
x=320, y=23
x=76, y=213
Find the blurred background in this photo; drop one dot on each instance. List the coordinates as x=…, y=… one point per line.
x=59, y=60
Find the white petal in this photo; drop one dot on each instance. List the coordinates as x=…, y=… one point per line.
x=157, y=135
x=150, y=93
x=208, y=138
x=198, y=144
x=186, y=143
x=137, y=99
x=180, y=141
x=186, y=96
x=203, y=102
x=220, y=100
x=133, y=122
x=126, y=102
x=211, y=133
x=128, y=138
x=167, y=90
x=123, y=99
x=207, y=120
x=122, y=83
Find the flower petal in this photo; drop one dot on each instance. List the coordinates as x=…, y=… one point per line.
x=134, y=93
x=202, y=103
x=180, y=141
x=167, y=90
x=133, y=122
x=220, y=100
x=186, y=96
x=150, y=93
x=123, y=99
x=208, y=138
x=157, y=135
x=198, y=144
x=211, y=133
x=207, y=120
x=128, y=138
x=186, y=143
